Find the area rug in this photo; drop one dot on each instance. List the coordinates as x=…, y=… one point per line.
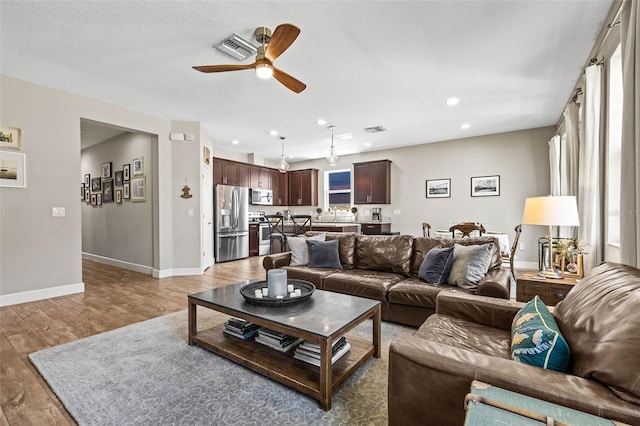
x=146, y=373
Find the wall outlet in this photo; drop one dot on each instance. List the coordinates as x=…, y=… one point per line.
x=396, y=211
x=189, y=212
x=521, y=246
x=57, y=211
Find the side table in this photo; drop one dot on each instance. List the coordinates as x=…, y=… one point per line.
x=528, y=285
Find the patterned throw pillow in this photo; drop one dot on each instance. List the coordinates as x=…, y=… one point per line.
x=536, y=338
x=436, y=265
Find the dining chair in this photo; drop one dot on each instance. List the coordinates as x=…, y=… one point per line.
x=425, y=229
x=467, y=228
x=514, y=247
x=276, y=230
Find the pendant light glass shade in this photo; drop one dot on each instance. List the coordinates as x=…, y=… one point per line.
x=332, y=159
x=283, y=166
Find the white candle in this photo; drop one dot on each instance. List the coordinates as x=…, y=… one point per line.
x=298, y=292
x=292, y=294
x=259, y=295
x=258, y=292
x=289, y=288
x=265, y=291
x=277, y=282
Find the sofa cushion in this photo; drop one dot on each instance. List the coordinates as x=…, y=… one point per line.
x=436, y=265
x=413, y=292
x=536, y=338
x=323, y=254
x=346, y=245
x=362, y=282
x=470, y=264
x=384, y=253
x=600, y=319
x=312, y=275
x=300, y=250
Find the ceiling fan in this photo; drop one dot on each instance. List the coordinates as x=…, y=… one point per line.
x=271, y=47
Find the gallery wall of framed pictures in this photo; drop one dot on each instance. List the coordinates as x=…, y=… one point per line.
x=115, y=186
x=481, y=186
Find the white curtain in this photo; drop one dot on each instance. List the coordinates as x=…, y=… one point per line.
x=589, y=175
x=630, y=166
x=554, y=165
x=569, y=160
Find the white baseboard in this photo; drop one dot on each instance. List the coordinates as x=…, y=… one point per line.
x=525, y=265
x=176, y=272
x=119, y=263
x=45, y=293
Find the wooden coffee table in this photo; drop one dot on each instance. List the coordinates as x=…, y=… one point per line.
x=322, y=319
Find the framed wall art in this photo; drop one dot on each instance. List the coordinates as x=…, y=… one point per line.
x=485, y=186
x=99, y=198
x=106, y=170
x=107, y=190
x=82, y=192
x=118, y=196
x=138, y=189
x=439, y=188
x=206, y=154
x=87, y=195
x=138, y=166
x=118, y=176
x=126, y=190
x=94, y=199
x=126, y=173
x=13, y=173
x=87, y=180
x=10, y=137
x=96, y=184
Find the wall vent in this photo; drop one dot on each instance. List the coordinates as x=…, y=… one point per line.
x=375, y=129
x=237, y=47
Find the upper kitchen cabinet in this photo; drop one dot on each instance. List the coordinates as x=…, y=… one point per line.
x=260, y=177
x=280, y=187
x=229, y=172
x=372, y=182
x=303, y=187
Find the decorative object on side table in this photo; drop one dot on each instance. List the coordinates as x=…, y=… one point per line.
x=250, y=293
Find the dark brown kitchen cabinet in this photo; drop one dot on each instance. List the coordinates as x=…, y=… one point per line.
x=260, y=177
x=229, y=172
x=303, y=187
x=375, y=228
x=372, y=182
x=280, y=187
x=254, y=239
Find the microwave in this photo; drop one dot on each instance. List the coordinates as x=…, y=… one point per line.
x=263, y=197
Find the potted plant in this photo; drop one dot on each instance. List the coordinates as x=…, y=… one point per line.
x=354, y=211
x=319, y=211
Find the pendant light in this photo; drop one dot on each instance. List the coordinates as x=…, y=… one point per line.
x=332, y=159
x=283, y=166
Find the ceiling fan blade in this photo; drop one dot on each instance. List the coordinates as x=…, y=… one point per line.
x=223, y=68
x=282, y=37
x=290, y=82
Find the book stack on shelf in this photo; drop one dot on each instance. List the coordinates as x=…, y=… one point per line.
x=240, y=328
x=276, y=340
x=309, y=352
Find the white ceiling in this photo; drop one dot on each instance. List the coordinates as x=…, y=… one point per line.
x=513, y=64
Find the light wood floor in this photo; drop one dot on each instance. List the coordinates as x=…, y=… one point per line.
x=113, y=298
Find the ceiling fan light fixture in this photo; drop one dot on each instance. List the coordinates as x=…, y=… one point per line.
x=264, y=71
x=332, y=159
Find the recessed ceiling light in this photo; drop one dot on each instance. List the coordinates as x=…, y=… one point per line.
x=273, y=133
x=465, y=126
x=235, y=142
x=453, y=101
x=321, y=122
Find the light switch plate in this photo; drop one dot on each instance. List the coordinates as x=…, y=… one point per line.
x=57, y=211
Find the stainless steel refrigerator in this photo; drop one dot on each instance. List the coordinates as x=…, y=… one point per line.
x=231, y=222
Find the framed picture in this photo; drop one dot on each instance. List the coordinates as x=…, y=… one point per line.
x=107, y=190
x=82, y=192
x=126, y=190
x=138, y=166
x=485, y=186
x=99, y=198
x=10, y=137
x=13, y=173
x=119, y=179
x=87, y=180
x=87, y=195
x=138, y=189
x=126, y=173
x=206, y=154
x=439, y=188
x=96, y=184
x=118, y=196
x=106, y=170
x=94, y=199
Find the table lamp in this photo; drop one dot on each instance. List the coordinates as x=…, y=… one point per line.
x=551, y=211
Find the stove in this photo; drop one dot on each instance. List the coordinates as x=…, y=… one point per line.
x=264, y=233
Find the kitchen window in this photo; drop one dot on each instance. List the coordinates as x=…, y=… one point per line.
x=337, y=185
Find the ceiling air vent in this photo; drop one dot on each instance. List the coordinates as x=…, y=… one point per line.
x=375, y=129
x=236, y=46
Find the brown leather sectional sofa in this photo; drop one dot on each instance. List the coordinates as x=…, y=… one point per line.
x=468, y=338
x=385, y=268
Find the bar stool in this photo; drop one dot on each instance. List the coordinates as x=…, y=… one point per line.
x=276, y=230
x=300, y=222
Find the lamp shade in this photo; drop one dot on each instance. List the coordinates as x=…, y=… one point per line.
x=551, y=211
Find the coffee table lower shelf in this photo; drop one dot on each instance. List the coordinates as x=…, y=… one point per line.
x=283, y=367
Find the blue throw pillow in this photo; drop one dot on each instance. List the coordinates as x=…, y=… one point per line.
x=536, y=338
x=323, y=254
x=436, y=265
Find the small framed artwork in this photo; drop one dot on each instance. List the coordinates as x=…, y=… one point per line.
x=126, y=190
x=106, y=170
x=10, y=137
x=87, y=180
x=485, y=186
x=439, y=188
x=107, y=190
x=82, y=192
x=13, y=173
x=126, y=173
x=119, y=179
x=118, y=196
x=96, y=184
x=138, y=189
x=99, y=198
x=94, y=199
x=138, y=166
x=87, y=195
x=206, y=154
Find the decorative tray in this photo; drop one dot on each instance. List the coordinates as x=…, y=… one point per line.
x=248, y=292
